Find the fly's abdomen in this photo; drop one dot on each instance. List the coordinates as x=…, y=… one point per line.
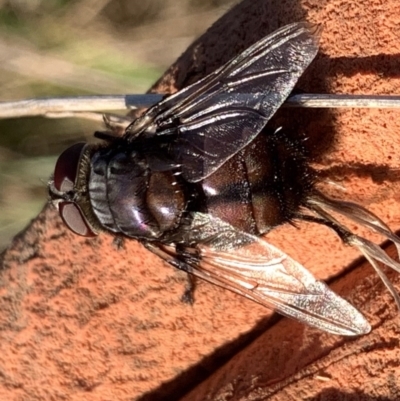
x=228, y=195
x=128, y=198
x=260, y=187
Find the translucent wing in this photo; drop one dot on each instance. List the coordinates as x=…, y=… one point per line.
x=210, y=121
x=257, y=270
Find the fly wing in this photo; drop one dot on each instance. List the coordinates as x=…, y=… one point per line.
x=210, y=121
x=257, y=270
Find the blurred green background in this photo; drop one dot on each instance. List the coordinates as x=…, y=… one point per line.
x=76, y=47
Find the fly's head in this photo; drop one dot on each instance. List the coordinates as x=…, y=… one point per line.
x=68, y=190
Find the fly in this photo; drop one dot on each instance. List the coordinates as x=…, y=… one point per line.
x=199, y=178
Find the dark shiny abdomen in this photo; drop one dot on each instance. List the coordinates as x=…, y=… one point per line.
x=262, y=186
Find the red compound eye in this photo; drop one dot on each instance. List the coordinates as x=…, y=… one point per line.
x=67, y=168
x=74, y=219
x=65, y=174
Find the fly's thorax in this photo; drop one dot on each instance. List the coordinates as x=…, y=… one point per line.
x=262, y=186
x=128, y=197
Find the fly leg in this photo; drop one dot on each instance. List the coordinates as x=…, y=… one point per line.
x=117, y=123
x=188, y=295
x=119, y=242
x=372, y=252
x=182, y=259
x=116, y=126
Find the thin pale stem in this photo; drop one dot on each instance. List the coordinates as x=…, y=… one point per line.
x=78, y=105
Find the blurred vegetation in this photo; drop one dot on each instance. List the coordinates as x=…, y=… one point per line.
x=75, y=47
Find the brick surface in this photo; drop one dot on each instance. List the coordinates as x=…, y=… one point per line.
x=83, y=320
